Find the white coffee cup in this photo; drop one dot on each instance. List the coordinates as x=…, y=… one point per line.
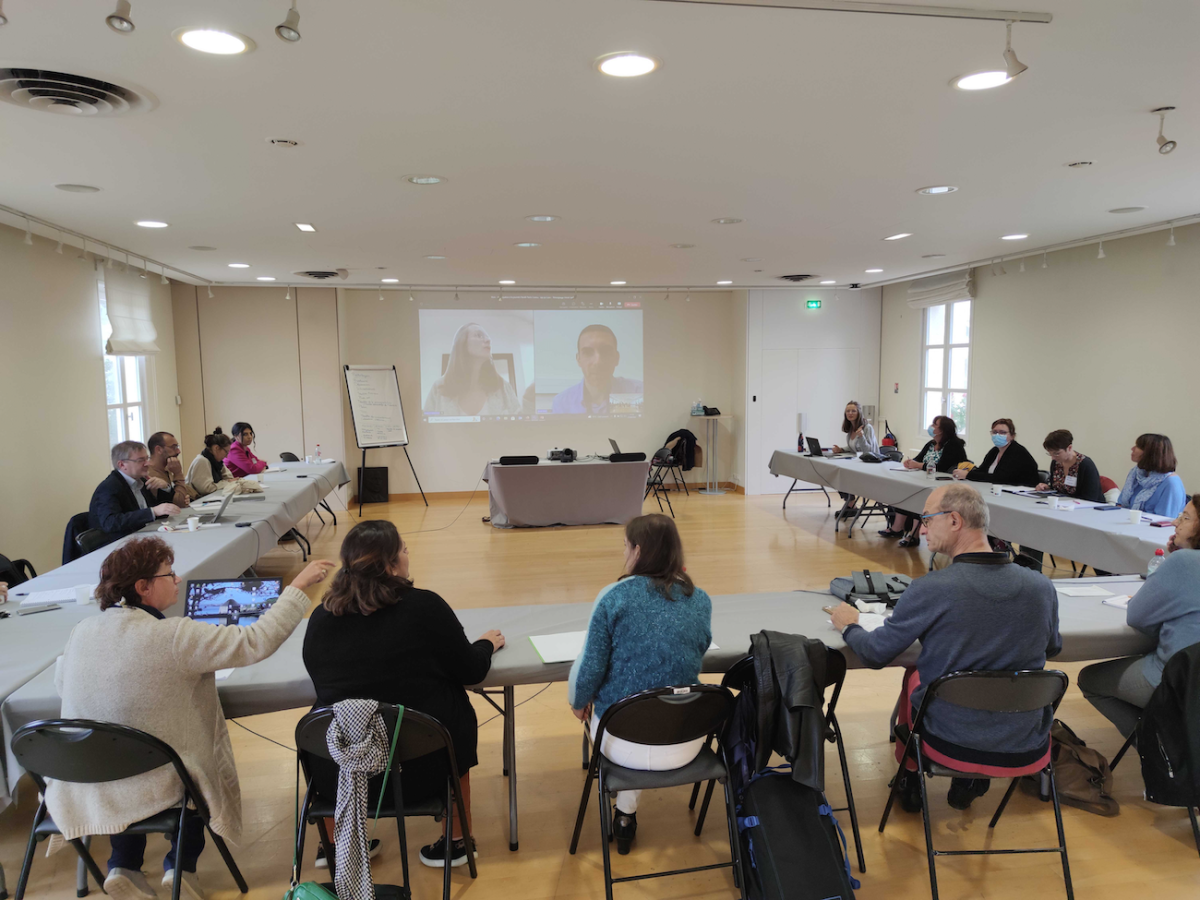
x=1135, y=517
x=193, y=523
x=259, y=476
x=83, y=594
x=308, y=459
x=995, y=490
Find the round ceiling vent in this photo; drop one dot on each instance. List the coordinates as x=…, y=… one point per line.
x=324, y=274
x=796, y=277
x=72, y=95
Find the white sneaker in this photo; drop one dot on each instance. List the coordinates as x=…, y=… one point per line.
x=190, y=887
x=128, y=884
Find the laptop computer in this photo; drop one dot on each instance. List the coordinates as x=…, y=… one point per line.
x=217, y=518
x=616, y=449
x=814, y=449
x=231, y=601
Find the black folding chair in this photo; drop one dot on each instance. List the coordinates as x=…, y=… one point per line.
x=668, y=715
x=15, y=571
x=292, y=457
x=999, y=692
x=419, y=735
x=84, y=751
x=740, y=677
x=92, y=539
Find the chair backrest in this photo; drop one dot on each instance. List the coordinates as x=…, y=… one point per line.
x=419, y=734
x=76, y=525
x=740, y=676
x=92, y=539
x=669, y=715
x=1043, y=476
x=15, y=571
x=1004, y=692
x=288, y=457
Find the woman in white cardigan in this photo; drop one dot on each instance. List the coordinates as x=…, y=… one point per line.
x=208, y=470
x=133, y=666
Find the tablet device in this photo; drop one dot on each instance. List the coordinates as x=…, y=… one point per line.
x=231, y=601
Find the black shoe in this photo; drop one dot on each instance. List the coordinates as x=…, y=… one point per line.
x=888, y=533
x=322, y=863
x=624, y=830
x=912, y=540
x=964, y=790
x=434, y=855
x=909, y=793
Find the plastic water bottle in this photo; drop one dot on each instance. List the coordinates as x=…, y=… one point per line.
x=317, y=455
x=1155, y=562
x=930, y=470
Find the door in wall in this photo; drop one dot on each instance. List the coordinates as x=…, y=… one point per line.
x=816, y=382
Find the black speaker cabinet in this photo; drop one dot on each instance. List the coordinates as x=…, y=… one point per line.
x=374, y=484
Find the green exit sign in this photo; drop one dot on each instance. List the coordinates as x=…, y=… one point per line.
x=814, y=304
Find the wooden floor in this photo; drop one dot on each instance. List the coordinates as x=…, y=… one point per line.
x=733, y=544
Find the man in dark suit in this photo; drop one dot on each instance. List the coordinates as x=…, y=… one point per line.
x=127, y=500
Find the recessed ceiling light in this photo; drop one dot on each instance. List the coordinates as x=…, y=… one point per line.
x=390, y=280
x=618, y=283
x=626, y=64
x=981, y=81
x=724, y=282
x=933, y=256
x=1013, y=237
x=682, y=246
x=543, y=218
x=898, y=237
x=935, y=189
x=727, y=220
x=829, y=281
x=1127, y=209
x=239, y=265
x=77, y=188
x=264, y=278
x=150, y=223
x=304, y=226
x=212, y=40
x=202, y=248
x=527, y=244
x=435, y=257
x=425, y=179
x=507, y=281
x=873, y=271
x=751, y=259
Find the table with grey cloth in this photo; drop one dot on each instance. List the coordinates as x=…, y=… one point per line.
x=589, y=492
x=1090, y=630
x=29, y=644
x=1104, y=540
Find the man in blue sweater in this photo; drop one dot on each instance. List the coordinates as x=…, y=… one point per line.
x=980, y=612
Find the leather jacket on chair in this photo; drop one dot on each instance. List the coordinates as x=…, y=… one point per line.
x=790, y=674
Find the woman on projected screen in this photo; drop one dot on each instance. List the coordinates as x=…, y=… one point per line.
x=471, y=385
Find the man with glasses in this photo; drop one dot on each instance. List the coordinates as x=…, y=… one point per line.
x=980, y=612
x=597, y=355
x=127, y=500
x=164, y=465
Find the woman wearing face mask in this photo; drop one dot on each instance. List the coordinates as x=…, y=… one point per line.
x=1152, y=484
x=471, y=385
x=1007, y=462
x=1071, y=473
x=945, y=450
x=241, y=461
x=860, y=438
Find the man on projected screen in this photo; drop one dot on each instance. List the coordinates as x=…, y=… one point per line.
x=597, y=355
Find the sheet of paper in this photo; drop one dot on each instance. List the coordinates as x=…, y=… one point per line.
x=566, y=646
x=222, y=674
x=870, y=621
x=874, y=608
x=1120, y=601
x=1083, y=590
x=62, y=595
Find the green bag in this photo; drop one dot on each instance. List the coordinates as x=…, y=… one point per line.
x=311, y=890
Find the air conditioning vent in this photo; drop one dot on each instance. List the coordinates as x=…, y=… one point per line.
x=796, y=278
x=324, y=274
x=74, y=95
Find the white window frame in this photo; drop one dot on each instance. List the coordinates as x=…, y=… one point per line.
x=144, y=377
x=946, y=346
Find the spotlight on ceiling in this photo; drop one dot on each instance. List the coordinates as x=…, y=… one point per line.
x=121, y=20
x=1164, y=146
x=626, y=64
x=1012, y=66
x=289, y=29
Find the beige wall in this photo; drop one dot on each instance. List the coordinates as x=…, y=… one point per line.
x=1102, y=347
x=52, y=367
x=738, y=388
x=688, y=354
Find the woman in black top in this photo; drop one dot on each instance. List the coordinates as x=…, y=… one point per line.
x=377, y=637
x=1071, y=473
x=945, y=450
x=1007, y=462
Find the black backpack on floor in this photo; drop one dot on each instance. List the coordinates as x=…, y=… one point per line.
x=792, y=846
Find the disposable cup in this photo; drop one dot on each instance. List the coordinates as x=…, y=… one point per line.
x=1135, y=517
x=193, y=523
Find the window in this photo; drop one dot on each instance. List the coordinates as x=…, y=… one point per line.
x=946, y=363
x=124, y=387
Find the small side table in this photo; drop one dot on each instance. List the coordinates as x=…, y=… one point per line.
x=712, y=435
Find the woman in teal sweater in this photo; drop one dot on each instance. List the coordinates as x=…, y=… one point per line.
x=649, y=629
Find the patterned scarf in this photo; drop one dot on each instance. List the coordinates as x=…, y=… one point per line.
x=1140, y=486
x=358, y=743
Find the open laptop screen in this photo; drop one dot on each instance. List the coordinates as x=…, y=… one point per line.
x=231, y=601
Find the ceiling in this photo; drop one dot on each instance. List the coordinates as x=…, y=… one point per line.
x=816, y=128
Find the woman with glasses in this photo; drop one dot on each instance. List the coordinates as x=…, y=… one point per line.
x=1071, y=473
x=1006, y=463
x=1166, y=608
x=241, y=460
x=132, y=666
x=944, y=451
x=471, y=386
x=1152, y=484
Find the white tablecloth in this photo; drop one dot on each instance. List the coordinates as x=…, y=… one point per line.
x=592, y=492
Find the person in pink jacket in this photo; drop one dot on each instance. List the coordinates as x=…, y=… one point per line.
x=241, y=461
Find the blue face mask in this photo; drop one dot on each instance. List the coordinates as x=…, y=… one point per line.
x=929, y=431
x=1000, y=440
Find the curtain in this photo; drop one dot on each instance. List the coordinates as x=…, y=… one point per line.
x=945, y=288
x=129, y=313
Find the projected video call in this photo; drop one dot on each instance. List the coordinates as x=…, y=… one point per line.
x=522, y=364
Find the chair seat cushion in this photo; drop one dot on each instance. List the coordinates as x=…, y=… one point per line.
x=707, y=765
x=165, y=822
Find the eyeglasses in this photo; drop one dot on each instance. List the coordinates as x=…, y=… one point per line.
x=136, y=459
x=1001, y=433
x=165, y=575
x=925, y=519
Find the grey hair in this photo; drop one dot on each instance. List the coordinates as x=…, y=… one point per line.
x=126, y=450
x=968, y=503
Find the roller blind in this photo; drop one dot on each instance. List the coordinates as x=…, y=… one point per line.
x=129, y=314
x=945, y=288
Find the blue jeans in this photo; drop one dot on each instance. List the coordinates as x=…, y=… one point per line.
x=129, y=850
